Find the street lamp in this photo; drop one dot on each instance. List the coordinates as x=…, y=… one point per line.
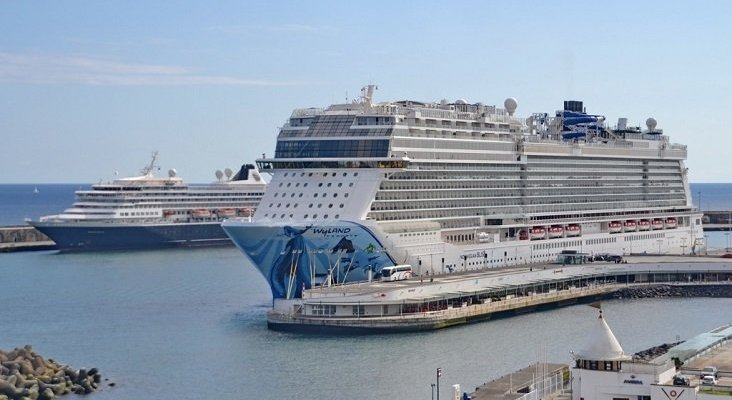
x=439, y=374
x=433, y=390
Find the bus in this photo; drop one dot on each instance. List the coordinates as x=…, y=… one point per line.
x=396, y=273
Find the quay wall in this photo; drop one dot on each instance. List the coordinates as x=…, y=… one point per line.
x=20, y=238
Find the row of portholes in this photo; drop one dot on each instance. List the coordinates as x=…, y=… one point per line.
x=325, y=174
x=329, y=184
x=315, y=216
x=279, y=205
x=300, y=195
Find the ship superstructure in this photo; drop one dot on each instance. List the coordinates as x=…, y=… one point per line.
x=146, y=211
x=453, y=186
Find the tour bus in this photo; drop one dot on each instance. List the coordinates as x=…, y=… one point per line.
x=396, y=273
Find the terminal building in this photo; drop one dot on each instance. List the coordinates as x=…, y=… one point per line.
x=603, y=371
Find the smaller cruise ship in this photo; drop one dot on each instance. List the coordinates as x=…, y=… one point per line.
x=146, y=211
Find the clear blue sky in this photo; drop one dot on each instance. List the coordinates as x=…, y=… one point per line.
x=92, y=87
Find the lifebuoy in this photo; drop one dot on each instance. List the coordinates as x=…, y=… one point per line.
x=672, y=393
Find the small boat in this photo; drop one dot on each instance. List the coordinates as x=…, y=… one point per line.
x=644, y=225
x=523, y=235
x=555, y=231
x=484, y=237
x=629, y=226
x=200, y=213
x=35, y=190
x=657, y=224
x=614, y=227
x=226, y=213
x=168, y=213
x=572, y=230
x=536, y=233
x=245, y=212
x=671, y=223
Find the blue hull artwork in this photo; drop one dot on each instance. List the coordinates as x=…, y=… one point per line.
x=295, y=257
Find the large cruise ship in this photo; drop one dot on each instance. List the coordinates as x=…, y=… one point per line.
x=154, y=212
x=454, y=186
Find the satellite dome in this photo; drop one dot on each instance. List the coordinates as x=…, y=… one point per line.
x=510, y=105
x=651, y=124
x=219, y=174
x=256, y=176
x=228, y=172
x=461, y=101
x=172, y=172
x=443, y=102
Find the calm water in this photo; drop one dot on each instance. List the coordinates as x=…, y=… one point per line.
x=191, y=324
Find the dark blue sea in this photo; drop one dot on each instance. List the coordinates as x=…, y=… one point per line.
x=190, y=324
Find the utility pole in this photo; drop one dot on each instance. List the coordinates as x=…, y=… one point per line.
x=439, y=374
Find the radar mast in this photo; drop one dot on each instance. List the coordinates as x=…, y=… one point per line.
x=149, y=168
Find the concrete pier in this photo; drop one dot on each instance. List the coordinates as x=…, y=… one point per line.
x=23, y=238
x=442, y=301
x=541, y=380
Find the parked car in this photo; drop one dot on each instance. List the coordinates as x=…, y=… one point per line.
x=709, y=380
x=710, y=371
x=681, y=380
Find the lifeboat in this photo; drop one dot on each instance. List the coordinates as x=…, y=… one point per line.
x=245, y=212
x=484, y=237
x=572, y=230
x=523, y=235
x=671, y=223
x=168, y=213
x=226, y=213
x=536, y=232
x=629, y=226
x=614, y=227
x=555, y=231
x=644, y=225
x=657, y=224
x=200, y=213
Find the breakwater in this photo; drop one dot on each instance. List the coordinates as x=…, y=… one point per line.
x=26, y=375
x=660, y=291
x=21, y=238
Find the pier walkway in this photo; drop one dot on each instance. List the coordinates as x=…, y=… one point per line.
x=446, y=300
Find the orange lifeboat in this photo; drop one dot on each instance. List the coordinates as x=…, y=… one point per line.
x=200, y=213
x=226, y=213
x=168, y=213
x=572, y=230
x=629, y=226
x=644, y=225
x=536, y=233
x=555, y=231
x=614, y=227
x=671, y=223
x=245, y=212
x=523, y=235
x=657, y=224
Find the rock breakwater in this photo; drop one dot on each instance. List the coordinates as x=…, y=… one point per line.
x=25, y=375
x=660, y=290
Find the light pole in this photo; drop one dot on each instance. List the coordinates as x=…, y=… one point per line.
x=439, y=374
x=433, y=390
x=700, y=207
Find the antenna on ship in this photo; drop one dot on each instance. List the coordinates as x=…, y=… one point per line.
x=149, y=168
